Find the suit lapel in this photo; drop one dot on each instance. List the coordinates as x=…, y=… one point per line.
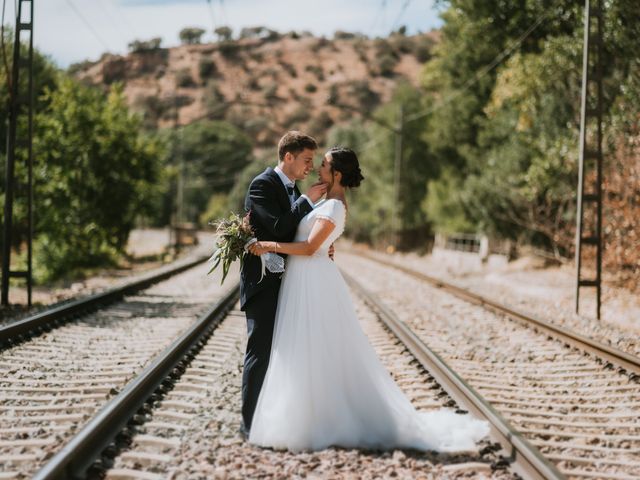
x=280, y=188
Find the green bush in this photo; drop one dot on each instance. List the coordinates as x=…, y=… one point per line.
x=207, y=68
x=184, y=78
x=191, y=35
x=96, y=174
x=298, y=116
x=211, y=153
x=229, y=49
x=217, y=207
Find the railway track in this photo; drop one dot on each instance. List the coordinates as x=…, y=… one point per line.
x=13, y=332
x=193, y=431
x=181, y=420
x=557, y=411
x=68, y=362
x=575, y=401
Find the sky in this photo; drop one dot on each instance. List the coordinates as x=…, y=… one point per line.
x=71, y=31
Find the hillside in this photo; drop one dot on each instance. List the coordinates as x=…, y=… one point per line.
x=264, y=85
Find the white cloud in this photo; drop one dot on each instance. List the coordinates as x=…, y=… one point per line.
x=112, y=24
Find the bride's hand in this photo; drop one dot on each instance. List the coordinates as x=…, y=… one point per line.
x=258, y=248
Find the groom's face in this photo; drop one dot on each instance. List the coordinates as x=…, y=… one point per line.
x=301, y=164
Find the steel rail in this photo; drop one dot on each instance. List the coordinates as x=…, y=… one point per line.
x=36, y=324
x=77, y=456
x=615, y=356
x=525, y=459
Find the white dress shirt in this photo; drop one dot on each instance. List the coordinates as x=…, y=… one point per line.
x=287, y=182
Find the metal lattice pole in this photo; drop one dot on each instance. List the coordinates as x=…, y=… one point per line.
x=16, y=105
x=590, y=150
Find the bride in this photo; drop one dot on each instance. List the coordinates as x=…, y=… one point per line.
x=325, y=385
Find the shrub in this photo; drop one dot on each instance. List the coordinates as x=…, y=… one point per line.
x=342, y=35
x=96, y=173
x=290, y=69
x=316, y=70
x=229, y=49
x=191, y=35
x=320, y=125
x=207, y=68
x=298, y=116
x=214, y=102
x=217, y=207
x=366, y=98
x=270, y=91
x=422, y=48
x=184, y=78
x=334, y=94
x=78, y=67
x=310, y=88
x=138, y=46
x=224, y=33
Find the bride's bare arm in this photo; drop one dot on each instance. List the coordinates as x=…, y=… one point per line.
x=320, y=231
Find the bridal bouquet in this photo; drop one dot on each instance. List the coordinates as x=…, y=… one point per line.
x=234, y=237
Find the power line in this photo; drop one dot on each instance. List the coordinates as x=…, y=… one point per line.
x=213, y=16
x=403, y=9
x=223, y=10
x=372, y=143
x=112, y=19
x=481, y=73
x=379, y=15
x=124, y=18
x=88, y=25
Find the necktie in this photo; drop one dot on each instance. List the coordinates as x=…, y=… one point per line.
x=291, y=193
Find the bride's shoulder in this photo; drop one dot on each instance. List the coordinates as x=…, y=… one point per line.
x=333, y=210
x=331, y=204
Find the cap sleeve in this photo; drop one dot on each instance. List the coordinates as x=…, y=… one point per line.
x=332, y=210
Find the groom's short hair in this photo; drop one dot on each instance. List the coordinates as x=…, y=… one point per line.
x=295, y=142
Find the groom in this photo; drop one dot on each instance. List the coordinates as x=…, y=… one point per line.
x=276, y=207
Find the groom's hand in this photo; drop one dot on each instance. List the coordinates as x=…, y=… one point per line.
x=332, y=251
x=316, y=191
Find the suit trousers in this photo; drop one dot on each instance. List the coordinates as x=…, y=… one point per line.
x=260, y=311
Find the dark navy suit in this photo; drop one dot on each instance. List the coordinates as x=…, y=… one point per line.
x=273, y=217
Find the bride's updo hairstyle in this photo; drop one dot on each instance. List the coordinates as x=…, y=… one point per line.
x=345, y=161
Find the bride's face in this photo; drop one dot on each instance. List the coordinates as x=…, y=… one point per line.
x=325, y=175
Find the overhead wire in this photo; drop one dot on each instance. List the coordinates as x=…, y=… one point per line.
x=88, y=25
x=223, y=10
x=403, y=9
x=113, y=20
x=213, y=16
x=379, y=15
x=124, y=18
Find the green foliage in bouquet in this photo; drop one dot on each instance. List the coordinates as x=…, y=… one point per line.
x=233, y=233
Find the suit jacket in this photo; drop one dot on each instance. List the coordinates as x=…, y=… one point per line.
x=273, y=218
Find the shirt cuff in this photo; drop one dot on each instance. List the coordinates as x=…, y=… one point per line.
x=307, y=199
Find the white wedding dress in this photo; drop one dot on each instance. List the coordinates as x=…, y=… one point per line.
x=325, y=385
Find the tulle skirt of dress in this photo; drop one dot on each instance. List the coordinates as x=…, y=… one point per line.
x=325, y=385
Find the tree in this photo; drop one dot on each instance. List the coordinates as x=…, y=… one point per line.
x=224, y=33
x=508, y=134
x=141, y=46
x=45, y=75
x=375, y=205
x=96, y=173
x=191, y=35
x=213, y=152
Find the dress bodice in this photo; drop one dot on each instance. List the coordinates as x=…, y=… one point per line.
x=332, y=210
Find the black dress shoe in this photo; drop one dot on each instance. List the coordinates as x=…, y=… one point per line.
x=244, y=433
